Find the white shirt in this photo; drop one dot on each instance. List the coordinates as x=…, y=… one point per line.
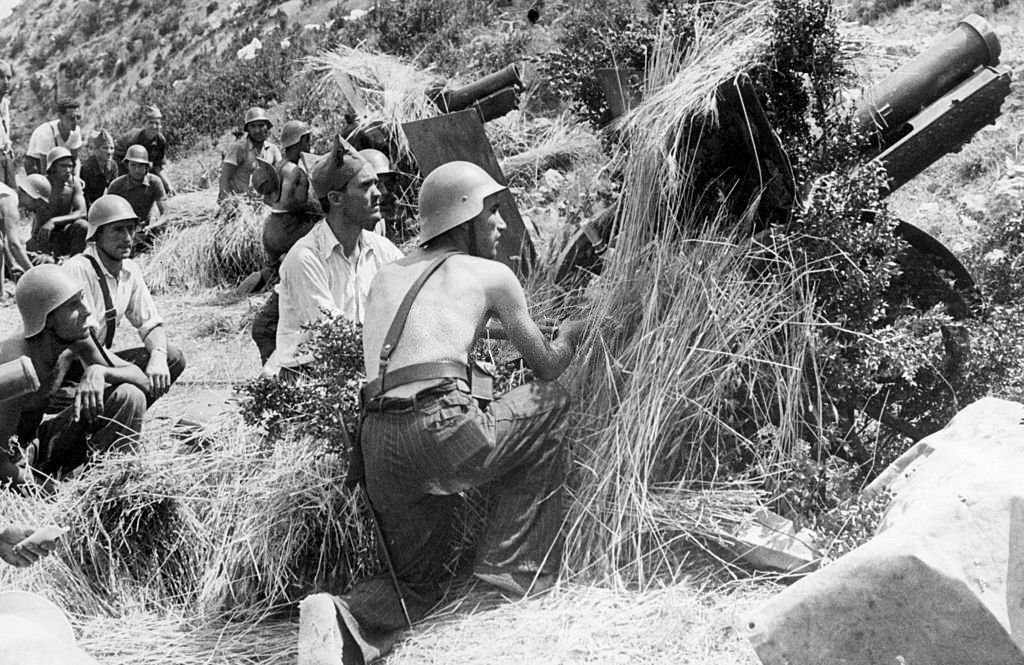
x=46, y=137
x=316, y=276
x=131, y=296
x=5, y=124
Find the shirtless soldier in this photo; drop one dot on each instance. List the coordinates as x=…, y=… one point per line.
x=426, y=436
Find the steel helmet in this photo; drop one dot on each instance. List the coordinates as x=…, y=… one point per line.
x=35, y=185
x=255, y=114
x=452, y=194
x=138, y=154
x=292, y=132
x=108, y=209
x=41, y=290
x=60, y=152
x=378, y=160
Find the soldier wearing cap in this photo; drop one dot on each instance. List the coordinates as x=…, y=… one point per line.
x=430, y=430
x=64, y=132
x=240, y=159
x=7, y=165
x=151, y=137
x=330, y=268
x=59, y=228
x=114, y=289
x=98, y=169
x=103, y=409
x=141, y=188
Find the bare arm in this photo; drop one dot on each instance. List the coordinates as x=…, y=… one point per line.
x=294, y=191
x=157, y=371
x=98, y=373
x=547, y=359
x=227, y=172
x=77, y=208
x=15, y=247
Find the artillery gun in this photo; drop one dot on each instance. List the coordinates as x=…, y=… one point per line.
x=924, y=110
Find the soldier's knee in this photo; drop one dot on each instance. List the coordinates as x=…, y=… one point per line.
x=127, y=398
x=175, y=362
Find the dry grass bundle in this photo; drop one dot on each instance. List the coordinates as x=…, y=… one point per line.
x=219, y=251
x=694, y=362
x=240, y=529
x=393, y=90
x=542, y=144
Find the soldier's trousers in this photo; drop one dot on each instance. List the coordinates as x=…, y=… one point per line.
x=420, y=453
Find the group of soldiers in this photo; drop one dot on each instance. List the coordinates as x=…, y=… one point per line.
x=430, y=428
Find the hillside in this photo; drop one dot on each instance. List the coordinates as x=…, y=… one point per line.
x=168, y=562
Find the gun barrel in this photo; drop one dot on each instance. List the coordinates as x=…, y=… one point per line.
x=928, y=77
x=449, y=101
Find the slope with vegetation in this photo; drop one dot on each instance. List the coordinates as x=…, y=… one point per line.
x=720, y=373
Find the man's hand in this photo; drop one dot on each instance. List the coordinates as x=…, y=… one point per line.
x=22, y=546
x=89, y=393
x=158, y=374
x=45, y=230
x=571, y=331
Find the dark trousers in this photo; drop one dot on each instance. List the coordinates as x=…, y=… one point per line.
x=8, y=168
x=65, y=444
x=418, y=457
x=65, y=240
x=264, y=327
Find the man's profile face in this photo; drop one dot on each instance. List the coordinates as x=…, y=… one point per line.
x=103, y=152
x=258, y=130
x=71, y=117
x=5, y=81
x=137, y=171
x=360, y=202
x=487, y=228
x=115, y=239
x=152, y=127
x=69, y=321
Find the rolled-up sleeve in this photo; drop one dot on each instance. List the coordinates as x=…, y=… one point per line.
x=141, y=311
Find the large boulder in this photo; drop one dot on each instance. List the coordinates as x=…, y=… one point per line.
x=942, y=582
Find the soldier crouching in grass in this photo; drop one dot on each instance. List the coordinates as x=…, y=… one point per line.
x=428, y=435
x=106, y=405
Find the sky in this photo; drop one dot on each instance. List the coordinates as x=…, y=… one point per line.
x=6, y=6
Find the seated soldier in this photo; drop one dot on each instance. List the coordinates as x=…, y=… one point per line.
x=64, y=132
x=264, y=325
x=113, y=288
x=104, y=408
x=59, y=228
x=240, y=159
x=430, y=433
x=14, y=257
x=330, y=268
x=140, y=188
x=151, y=137
x=99, y=169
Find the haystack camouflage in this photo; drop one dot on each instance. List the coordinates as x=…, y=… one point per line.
x=40, y=291
x=452, y=194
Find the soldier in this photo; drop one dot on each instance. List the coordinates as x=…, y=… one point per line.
x=7, y=165
x=151, y=137
x=102, y=410
x=429, y=430
x=240, y=160
x=113, y=284
x=14, y=257
x=141, y=188
x=98, y=170
x=59, y=228
x=64, y=132
x=330, y=268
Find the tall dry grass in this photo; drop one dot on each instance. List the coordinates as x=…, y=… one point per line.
x=692, y=377
x=207, y=246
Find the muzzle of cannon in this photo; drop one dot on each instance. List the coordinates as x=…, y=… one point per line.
x=493, y=95
x=935, y=103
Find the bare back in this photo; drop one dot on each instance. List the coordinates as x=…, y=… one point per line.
x=442, y=325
